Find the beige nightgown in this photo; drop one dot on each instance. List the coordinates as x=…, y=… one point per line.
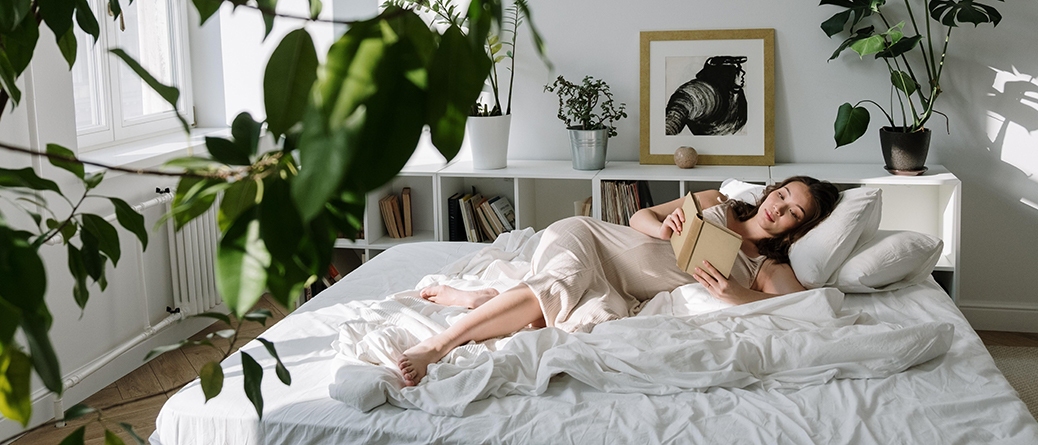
x=587, y=271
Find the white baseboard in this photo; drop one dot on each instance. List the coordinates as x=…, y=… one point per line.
x=43, y=399
x=1005, y=318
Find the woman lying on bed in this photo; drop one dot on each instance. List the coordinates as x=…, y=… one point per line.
x=586, y=271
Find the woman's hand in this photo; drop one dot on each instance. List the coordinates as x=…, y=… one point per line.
x=672, y=224
x=723, y=289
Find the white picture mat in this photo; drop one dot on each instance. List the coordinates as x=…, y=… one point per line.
x=750, y=140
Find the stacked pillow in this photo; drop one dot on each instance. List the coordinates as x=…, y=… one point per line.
x=848, y=251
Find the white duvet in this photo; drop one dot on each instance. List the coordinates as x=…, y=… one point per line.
x=681, y=340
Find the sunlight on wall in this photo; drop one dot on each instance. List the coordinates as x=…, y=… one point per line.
x=1013, y=124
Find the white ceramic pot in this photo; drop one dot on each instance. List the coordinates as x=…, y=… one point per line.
x=488, y=137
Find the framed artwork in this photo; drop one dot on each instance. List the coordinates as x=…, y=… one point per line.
x=711, y=90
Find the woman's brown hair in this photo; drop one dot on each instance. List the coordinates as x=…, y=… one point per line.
x=823, y=193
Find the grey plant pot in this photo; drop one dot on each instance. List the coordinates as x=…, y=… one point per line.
x=904, y=152
x=589, y=148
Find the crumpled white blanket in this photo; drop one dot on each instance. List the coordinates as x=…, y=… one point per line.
x=681, y=340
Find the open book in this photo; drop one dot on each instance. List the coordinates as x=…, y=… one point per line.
x=702, y=240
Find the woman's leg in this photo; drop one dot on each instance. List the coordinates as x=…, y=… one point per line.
x=504, y=314
x=449, y=296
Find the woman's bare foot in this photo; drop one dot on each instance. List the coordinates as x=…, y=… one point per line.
x=449, y=296
x=416, y=360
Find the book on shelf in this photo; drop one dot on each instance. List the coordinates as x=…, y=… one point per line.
x=398, y=216
x=504, y=212
x=455, y=230
x=385, y=207
x=405, y=201
x=621, y=199
x=466, y=217
x=702, y=240
x=487, y=232
x=582, y=207
x=495, y=222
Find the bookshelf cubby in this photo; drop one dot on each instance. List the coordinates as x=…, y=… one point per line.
x=542, y=192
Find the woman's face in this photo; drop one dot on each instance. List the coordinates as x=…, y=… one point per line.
x=785, y=208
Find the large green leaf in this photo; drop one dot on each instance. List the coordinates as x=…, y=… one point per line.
x=107, y=236
x=280, y=368
x=287, y=279
x=851, y=123
x=57, y=14
x=11, y=14
x=269, y=8
x=904, y=82
x=74, y=167
x=241, y=265
x=168, y=93
x=35, y=326
x=87, y=21
x=8, y=77
x=15, y=379
x=869, y=45
x=289, y=76
x=211, y=376
x=206, y=9
x=246, y=132
x=91, y=255
x=241, y=196
x=27, y=178
x=226, y=151
x=324, y=160
x=193, y=197
x=253, y=377
x=130, y=220
x=456, y=78
x=116, y=10
x=280, y=223
x=76, y=437
x=900, y=47
x=77, y=411
x=68, y=46
x=164, y=349
x=112, y=439
x=20, y=44
x=9, y=317
x=21, y=270
x=77, y=267
x=955, y=12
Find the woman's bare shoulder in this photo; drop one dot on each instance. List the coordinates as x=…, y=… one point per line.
x=777, y=278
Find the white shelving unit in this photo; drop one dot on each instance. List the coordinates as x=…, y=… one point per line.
x=543, y=192
x=930, y=203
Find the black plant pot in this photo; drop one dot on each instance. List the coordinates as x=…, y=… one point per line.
x=903, y=151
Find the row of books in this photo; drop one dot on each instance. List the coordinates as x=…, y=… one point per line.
x=620, y=199
x=321, y=284
x=396, y=213
x=475, y=218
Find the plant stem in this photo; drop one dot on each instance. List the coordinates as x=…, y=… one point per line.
x=64, y=223
x=139, y=171
x=915, y=26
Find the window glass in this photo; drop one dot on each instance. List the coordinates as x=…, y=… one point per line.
x=147, y=38
x=88, y=83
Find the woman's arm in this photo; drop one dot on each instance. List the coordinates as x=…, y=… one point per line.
x=663, y=220
x=773, y=280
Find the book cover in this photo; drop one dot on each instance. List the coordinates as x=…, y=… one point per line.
x=398, y=217
x=468, y=219
x=454, y=227
x=495, y=222
x=702, y=240
x=505, y=212
x=387, y=216
x=484, y=224
x=405, y=197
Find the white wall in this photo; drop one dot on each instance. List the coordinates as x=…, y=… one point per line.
x=1000, y=191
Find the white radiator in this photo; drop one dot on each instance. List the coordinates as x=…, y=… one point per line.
x=192, y=256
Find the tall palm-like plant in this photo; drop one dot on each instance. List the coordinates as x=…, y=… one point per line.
x=872, y=29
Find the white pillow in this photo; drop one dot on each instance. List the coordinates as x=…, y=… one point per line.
x=818, y=254
x=891, y=260
x=816, y=257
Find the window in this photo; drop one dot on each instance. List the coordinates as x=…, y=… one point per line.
x=114, y=105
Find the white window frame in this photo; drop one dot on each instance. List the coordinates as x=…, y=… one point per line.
x=115, y=129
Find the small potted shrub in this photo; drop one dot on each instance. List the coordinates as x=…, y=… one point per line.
x=909, y=52
x=589, y=112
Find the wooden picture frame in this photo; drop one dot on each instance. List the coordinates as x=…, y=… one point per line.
x=713, y=90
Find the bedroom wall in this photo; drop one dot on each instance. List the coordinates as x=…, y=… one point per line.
x=991, y=99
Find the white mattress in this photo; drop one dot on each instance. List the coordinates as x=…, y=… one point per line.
x=958, y=398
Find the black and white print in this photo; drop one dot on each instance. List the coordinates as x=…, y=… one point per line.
x=710, y=102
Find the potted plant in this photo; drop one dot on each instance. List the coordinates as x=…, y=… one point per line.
x=589, y=131
x=487, y=126
x=906, y=140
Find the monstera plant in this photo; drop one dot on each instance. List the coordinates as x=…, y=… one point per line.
x=342, y=128
x=911, y=38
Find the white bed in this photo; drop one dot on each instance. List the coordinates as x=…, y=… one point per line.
x=957, y=398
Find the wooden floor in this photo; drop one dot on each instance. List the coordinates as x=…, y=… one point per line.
x=137, y=397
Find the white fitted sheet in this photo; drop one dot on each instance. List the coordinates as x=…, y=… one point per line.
x=957, y=398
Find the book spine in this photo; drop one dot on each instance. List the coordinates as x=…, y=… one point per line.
x=454, y=218
x=405, y=197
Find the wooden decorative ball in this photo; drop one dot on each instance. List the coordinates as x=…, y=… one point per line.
x=685, y=157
